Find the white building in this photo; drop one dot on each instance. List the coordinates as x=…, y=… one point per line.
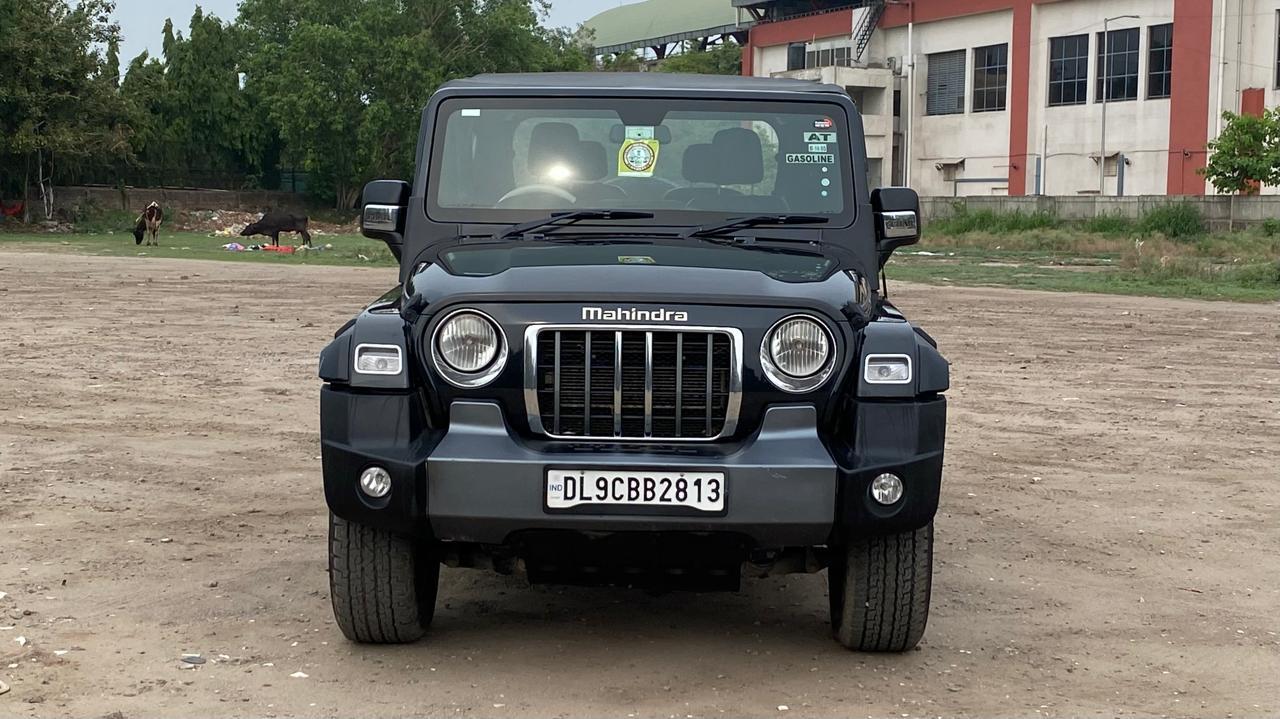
x=993, y=97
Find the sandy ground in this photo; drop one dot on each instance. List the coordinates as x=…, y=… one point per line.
x=1107, y=544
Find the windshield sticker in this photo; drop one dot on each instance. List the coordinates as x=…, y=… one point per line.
x=825, y=123
x=810, y=159
x=470, y=112
x=823, y=137
x=637, y=157
x=639, y=132
x=635, y=260
x=820, y=147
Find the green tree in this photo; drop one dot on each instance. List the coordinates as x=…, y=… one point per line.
x=345, y=83
x=58, y=106
x=1246, y=154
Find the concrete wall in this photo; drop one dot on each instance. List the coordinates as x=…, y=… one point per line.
x=134, y=199
x=1221, y=211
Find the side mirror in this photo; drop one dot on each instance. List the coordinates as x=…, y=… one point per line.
x=383, y=208
x=897, y=219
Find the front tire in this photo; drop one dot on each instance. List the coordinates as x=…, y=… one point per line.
x=879, y=588
x=382, y=585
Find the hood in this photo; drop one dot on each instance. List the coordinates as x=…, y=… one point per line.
x=620, y=286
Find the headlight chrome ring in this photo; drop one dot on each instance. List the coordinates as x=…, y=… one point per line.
x=486, y=371
x=799, y=379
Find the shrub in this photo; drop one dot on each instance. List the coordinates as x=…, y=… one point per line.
x=1271, y=227
x=1175, y=220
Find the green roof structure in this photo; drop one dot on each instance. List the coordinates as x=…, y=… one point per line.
x=659, y=22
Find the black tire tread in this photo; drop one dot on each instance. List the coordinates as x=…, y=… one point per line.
x=382, y=587
x=885, y=585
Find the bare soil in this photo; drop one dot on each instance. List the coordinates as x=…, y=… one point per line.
x=1107, y=542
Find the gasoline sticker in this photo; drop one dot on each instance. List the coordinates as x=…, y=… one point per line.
x=810, y=159
x=637, y=157
x=822, y=137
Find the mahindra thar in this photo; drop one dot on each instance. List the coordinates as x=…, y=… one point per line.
x=639, y=338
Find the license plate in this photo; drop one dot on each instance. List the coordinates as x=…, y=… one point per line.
x=569, y=488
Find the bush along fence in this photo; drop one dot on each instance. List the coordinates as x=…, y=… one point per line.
x=1217, y=212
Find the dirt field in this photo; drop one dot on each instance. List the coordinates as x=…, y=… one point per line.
x=1108, y=542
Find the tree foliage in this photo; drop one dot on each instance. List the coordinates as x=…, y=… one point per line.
x=722, y=59
x=335, y=88
x=58, y=105
x=1246, y=154
x=345, y=83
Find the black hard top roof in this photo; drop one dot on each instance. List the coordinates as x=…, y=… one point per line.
x=621, y=81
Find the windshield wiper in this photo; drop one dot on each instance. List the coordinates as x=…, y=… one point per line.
x=743, y=223
x=562, y=219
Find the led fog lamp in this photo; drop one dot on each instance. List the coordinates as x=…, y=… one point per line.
x=378, y=359
x=467, y=342
x=375, y=482
x=886, y=489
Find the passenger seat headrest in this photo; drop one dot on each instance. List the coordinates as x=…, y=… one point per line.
x=700, y=164
x=740, y=156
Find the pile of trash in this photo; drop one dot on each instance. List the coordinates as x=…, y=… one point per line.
x=281, y=249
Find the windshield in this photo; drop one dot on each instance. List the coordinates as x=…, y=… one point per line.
x=783, y=264
x=507, y=159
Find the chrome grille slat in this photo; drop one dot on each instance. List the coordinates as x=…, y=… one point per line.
x=636, y=383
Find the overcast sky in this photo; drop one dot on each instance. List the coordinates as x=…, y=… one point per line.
x=142, y=21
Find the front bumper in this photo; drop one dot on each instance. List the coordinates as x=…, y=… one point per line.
x=477, y=481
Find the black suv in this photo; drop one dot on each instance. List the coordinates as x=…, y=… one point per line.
x=638, y=339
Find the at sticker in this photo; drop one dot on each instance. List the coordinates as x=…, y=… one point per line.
x=823, y=137
x=810, y=159
x=637, y=158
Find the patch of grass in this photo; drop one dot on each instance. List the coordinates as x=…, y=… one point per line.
x=341, y=250
x=963, y=221
x=1254, y=282
x=1175, y=220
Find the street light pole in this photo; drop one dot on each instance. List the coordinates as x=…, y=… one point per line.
x=1104, y=73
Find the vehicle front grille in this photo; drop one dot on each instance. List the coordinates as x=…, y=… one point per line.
x=633, y=384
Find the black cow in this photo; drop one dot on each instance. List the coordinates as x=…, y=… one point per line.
x=274, y=222
x=148, y=224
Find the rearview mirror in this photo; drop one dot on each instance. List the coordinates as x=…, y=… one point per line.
x=383, y=209
x=897, y=219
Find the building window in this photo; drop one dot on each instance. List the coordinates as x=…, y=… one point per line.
x=990, y=77
x=841, y=56
x=1068, y=70
x=1278, y=49
x=945, y=88
x=1118, y=65
x=1160, y=62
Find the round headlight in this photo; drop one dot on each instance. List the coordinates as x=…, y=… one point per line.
x=467, y=342
x=800, y=347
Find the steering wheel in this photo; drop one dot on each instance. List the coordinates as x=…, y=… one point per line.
x=557, y=192
x=619, y=182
